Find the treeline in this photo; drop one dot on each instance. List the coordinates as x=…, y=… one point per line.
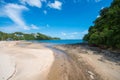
x=25, y=36
x=105, y=32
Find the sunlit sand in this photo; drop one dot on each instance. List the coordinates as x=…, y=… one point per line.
x=24, y=63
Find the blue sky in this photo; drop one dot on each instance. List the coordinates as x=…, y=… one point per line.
x=67, y=19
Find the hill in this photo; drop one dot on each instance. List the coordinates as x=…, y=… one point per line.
x=25, y=36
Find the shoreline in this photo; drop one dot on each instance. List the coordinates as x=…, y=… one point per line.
x=65, y=68
x=37, y=61
x=105, y=67
x=24, y=61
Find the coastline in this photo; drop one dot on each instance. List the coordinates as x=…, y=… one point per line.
x=23, y=60
x=100, y=64
x=65, y=68
x=37, y=61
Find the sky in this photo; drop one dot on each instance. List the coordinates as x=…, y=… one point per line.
x=67, y=19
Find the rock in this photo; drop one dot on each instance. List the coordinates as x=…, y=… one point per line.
x=84, y=51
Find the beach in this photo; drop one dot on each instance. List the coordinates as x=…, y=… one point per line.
x=99, y=64
x=22, y=60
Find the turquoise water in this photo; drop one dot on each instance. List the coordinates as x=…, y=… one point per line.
x=59, y=41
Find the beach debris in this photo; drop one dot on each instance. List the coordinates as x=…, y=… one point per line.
x=84, y=51
x=92, y=77
x=91, y=74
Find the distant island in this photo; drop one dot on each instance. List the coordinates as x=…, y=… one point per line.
x=105, y=32
x=25, y=36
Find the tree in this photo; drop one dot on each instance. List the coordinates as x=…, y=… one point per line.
x=106, y=28
x=24, y=36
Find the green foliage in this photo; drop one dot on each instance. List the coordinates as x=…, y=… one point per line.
x=94, y=39
x=24, y=36
x=106, y=29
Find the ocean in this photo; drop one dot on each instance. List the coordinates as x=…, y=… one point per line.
x=59, y=42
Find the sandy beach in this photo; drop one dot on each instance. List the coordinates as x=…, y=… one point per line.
x=97, y=63
x=21, y=60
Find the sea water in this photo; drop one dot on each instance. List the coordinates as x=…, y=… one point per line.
x=60, y=41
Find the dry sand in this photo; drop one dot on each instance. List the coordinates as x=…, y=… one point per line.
x=21, y=60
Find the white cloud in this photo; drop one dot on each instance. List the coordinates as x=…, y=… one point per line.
x=34, y=27
x=35, y=3
x=45, y=12
x=102, y=8
x=98, y=16
x=63, y=34
x=44, y=26
x=75, y=33
x=13, y=12
x=84, y=32
x=55, y=5
x=12, y=28
x=72, y=36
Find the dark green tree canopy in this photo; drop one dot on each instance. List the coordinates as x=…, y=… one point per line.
x=106, y=29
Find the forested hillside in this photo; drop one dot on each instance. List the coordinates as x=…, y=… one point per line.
x=24, y=36
x=106, y=29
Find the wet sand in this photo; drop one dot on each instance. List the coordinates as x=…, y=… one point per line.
x=97, y=63
x=21, y=60
x=64, y=68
